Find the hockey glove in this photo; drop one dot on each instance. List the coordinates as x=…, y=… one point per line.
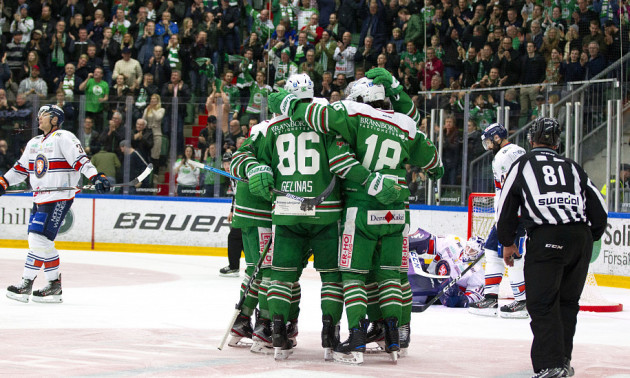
x=101, y=183
x=436, y=173
x=260, y=181
x=282, y=102
x=385, y=78
x=384, y=188
x=3, y=185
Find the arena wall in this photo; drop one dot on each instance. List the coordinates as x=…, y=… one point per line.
x=200, y=227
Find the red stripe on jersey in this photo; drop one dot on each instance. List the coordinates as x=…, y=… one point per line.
x=78, y=165
x=328, y=206
x=356, y=299
x=310, y=113
x=19, y=168
x=323, y=119
x=253, y=213
x=332, y=295
x=391, y=299
x=493, y=280
x=497, y=184
x=338, y=160
x=521, y=288
x=272, y=293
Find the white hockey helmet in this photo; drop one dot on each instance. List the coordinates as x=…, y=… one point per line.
x=366, y=90
x=474, y=247
x=300, y=85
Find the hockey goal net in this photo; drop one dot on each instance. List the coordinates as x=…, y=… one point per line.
x=480, y=221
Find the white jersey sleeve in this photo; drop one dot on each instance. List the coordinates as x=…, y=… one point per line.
x=54, y=161
x=501, y=164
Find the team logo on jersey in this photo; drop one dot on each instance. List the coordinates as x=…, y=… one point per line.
x=269, y=256
x=41, y=166
x=442, y=268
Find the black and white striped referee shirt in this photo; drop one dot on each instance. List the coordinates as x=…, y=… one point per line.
x=548, y=189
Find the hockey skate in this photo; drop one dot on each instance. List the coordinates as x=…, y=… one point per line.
x=568, y=369
x=351, y=351
x=392, y=338
x=226, y=271
x=550, y=373
x=21, y=291
x=330, y=337
x=282, y=345
x=292, y=331
x=404, y=332
x=514, y=310
x=241, y=329
x=51, y=293
x=261, y=337
x=486, y=307
x=375, y=334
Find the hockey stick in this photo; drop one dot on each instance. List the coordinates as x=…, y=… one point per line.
x=305, y=203
x=422, y=308
x=133, y=182
x=239, y=305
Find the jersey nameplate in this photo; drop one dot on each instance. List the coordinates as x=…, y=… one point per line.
x=385, y=217
x=287, y=206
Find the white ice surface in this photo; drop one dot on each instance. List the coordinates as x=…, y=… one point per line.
x=127, y=314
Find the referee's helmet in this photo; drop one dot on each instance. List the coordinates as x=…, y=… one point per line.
x=546, y=131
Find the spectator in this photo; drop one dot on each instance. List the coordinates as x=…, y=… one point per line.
x=32, y=59
x=553, y=73
x=82, y=67
x=312, y=68
x=572, y=41
x=93, y=6
x=313, y=30
x=22, y=22
x=374, y=25
x=120, y=25
x=233, y=94
x=127, y=41
x=583, y=17
x=173, y=53
x=69, y=111
x=176, y=89
x=199, y=79
x=432, y=67
x=137, y=27
x=158, y=66
x=106, y=161
x=154, y=114
x=412, y=27
x=16, y=54
x=366, y=55
x=475, y=149
x=509, y=67
x=137, y=165
x=515, y=107
x=283, y=66
x=334, y=28
x=304, y=11
x=299, y=52
x=451, y=151
x=187, y=174
x=6, y=159
x=596, y=61
x=532, y=72
x=45, y=24
x=195, y=11
x=229, y=138
x=89, y=136
x=253, y=43
x=211, y=179
x=142, y=140
x=326, y=86
x=177, y=9
x=147, y=88
x=109, y=52
x=96, y=28
x=324, y=51
x=258, y=92
x=397, y=40
x=335, y=96
x=118, y=94
x=483, y=112
x=551, y=41
x=452, y=51
x=340, y=84
x=39, y=46
x=146, y=43
x=344, y=56
x=470, y=68
x=229, y=21
x=410, y=59
x=220, y=112
x=261, y=24
x=34, y=84
x=130, y=68
x=393, y=61
x=79, y=47
x=613, y=41
x=595, y=35
x=207, y=136
x=537, y=15
x=112, y=137
x=536, y=35
x=96, y=94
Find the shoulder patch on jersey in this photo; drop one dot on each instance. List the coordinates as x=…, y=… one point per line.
x=443, y=268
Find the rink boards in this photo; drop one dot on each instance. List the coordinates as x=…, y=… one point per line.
x=200, y=227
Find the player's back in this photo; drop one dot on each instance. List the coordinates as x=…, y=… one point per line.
x=379, y=138
x=299, y=159
x=502, y=162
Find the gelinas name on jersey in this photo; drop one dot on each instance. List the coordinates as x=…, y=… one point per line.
x=297, y=186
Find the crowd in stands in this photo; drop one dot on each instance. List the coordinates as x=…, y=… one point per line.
x=226, y=56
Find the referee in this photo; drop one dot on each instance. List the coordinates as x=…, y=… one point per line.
x=563, y=212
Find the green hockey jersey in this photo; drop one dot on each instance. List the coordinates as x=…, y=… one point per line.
x=303, y=163
x=256, y=96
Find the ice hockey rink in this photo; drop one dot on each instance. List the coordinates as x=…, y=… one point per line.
x=132, y=314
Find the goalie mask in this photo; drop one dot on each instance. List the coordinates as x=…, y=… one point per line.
x=300, y=85
x=54, y=111
x=364, y=90
x=474, y=247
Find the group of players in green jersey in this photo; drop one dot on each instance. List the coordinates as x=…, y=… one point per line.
x=357, y=235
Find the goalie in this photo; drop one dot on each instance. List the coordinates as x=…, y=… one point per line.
x=433, y=257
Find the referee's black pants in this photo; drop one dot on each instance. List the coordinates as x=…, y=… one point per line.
x=556, y=265
x=235, y=247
